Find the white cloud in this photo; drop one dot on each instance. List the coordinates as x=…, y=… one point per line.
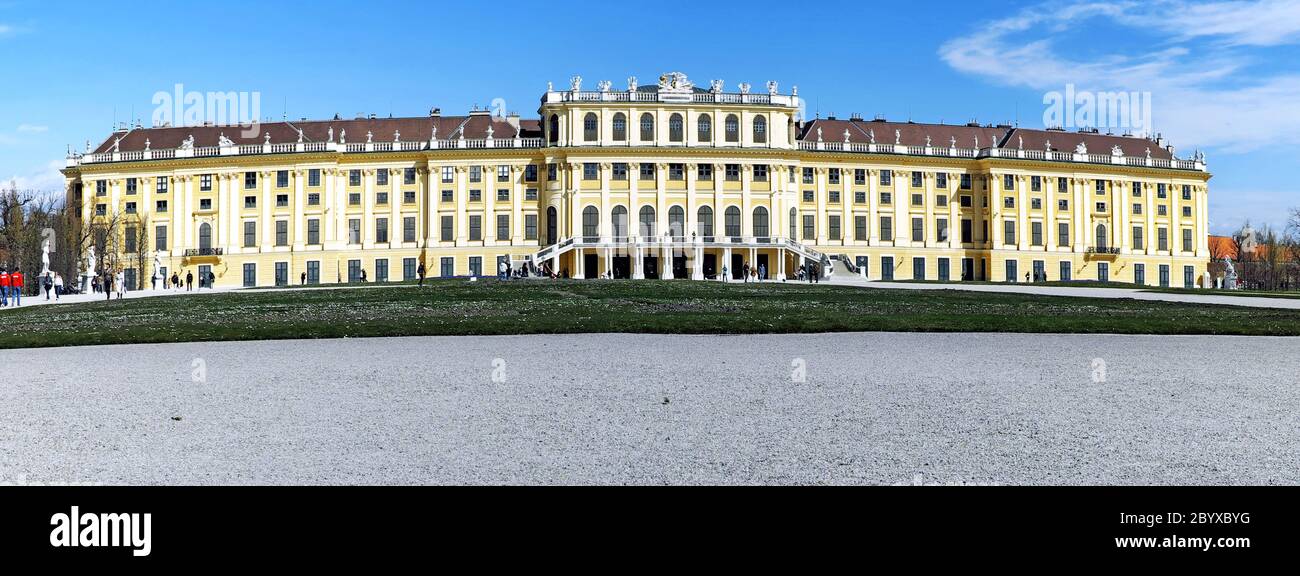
x=1204, y=94
x=32, y=128
x=44, y=179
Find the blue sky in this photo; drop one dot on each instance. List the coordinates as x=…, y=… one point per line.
x=1224, y=77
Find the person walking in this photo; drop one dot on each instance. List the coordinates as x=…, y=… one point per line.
x=212, y=279
x=420, y=272
x=363, y=275
x=17, y=283
x=47, y=284
x=4, y=286
x=302, y=279
x=189, y=281
x=176, y=280
x=107, y=284
x=58, y=286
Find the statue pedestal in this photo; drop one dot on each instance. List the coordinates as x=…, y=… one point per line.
x=85, y=283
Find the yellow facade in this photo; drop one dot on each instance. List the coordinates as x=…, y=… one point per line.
x=661, y=181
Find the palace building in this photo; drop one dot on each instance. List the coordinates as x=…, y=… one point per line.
x=667, y=180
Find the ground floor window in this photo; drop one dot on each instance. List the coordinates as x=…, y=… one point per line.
x=447, y=267
x=281, y=273
x=1189, y=277
x=250, y=274
x=918, y=268
x=864, y=264
x=475, y=265
x=1103, y=272
x=354, y=270
x=204, y=272
x=1139, y=273
x=1040, y=271
x=409, y=268
x=128, y=278
x=886, y=267
x=943, y=270
x=1011, y=270
x=381, y=270
x=1065, y=270
x=313, y=271
x=1164, y=275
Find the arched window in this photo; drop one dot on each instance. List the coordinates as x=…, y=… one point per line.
x=704, y=221
x=732, y=128
x=677, y=223
x=590, y=224
x=590, y=125
x=552, y=220
x=704, y=128
x=731, y=221
x=554, y=133
x=205, y=236
x=760, y=222
x=794, y=223
x=647, y=127
x=1101, y=236
x=618, y=219
x=620, y=127
x=760, y=130
x=675, y=128
x=647, y=221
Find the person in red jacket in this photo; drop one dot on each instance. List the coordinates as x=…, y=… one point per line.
x=16, y=285
x=4, y=286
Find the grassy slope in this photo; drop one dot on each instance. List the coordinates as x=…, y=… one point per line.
x=545, y=307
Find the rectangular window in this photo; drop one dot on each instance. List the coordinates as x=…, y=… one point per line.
x=918, y=199
x=676, y=171
x=833, y=226
x=1101, y=206
x=1036, y=183
x=809, y=196
x=281, y=273
x=551, y=170
x=1062, y=234
x=130, y=186
x=1036, y=203
x=313, y=271
x=1009, y=232
x=250, y=180
x=381, y=269
x=476, y=227
x=1009, y=202
x=590, y=171
x=732, y=172
x=313, y=179
x=161, y=185
x=1065, y=270
x=1008, y=182
x=809, y=227
x=503, y=226
x=965, y=181
x=1162, y=238
x=1011, y=270
x=354, y=177
x=250, y=274
x=941, y=200
x=1137, y=189
x=354, y=270
x=941, y=180
x=160, y=206
x=313, y=231
x=408, y=176
x=448, y=174
x=760, y=172
x=381, y=177
x=381, y=230
x=475, y=265
x=447, y=233
x=860, y=176
x=886, y=177
x=410, y=269
x=101, y=187
x=859, y=197
x=1139, y=274
x=1162, y=191
x=860, y=227
x=281, y=200
x=408, y=197
x=1101, y=187
x=833, y=176
x=129, y=237
x=834, y=196
x=205, y=203
x=530, y=172
x=130, y=208
x=160, y=238
x=408, y=229
x=1036, y=233
x=704, y=172
x=250, y=202
x=1062, y=185
x=448, y=195
x=475, y=195
x=967, y=201
x=381, y=198
x=1187, y=240
x=503, y=195
x=918, y=230
x=1187, y=211
x=886, y=228
x=447, y=266
x=1137, y=238
x=967, y=231
x=503, y=173
x=1137, y=209
x=807, y=175
x=886, y=198
x=619, y=171
x=281, y=232
x=918, y=268
x=941, y=229
x=1062, y=205
x=250, y=234
x=530, y=194
x=916, y=179
x=646, y=172
x=354, y=231
x=313, y=199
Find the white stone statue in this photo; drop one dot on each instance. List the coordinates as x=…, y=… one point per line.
x=90, y=261
x=819, y=133
x=575, y=83
x=223, y=141
x=490, y=132
x=188, y=143
x=117, y=143
x=631, y=84
x=846, y=135
x=927, y=140
x=343, y=136
x=898, y=136
x=1048, y=146
x=300, y=135
x=1020, y=142
x=715, y=86
x=331, y=135
x=771, y=87
x=147, y=144
x=1116, y=150
x=1148, y=153
x=871, y=133
x=45, y=257
x=157, y=268
x=604, y=85
x=744, y=87
x=266, y=140
x=1082, y=148
x=370, y=137
x=977, y=141
x=397, y=136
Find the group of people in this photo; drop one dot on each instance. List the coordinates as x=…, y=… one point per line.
x=109, y=283
x=175, y=280
x=11, y=286
x=810, y=272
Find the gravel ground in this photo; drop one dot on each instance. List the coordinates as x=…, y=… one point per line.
x=876, y=408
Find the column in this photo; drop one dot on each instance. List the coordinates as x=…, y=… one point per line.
x=266, y=238
x=299, y=204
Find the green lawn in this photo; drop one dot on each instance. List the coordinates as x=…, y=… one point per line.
x=1216, y=292
x=554, y=307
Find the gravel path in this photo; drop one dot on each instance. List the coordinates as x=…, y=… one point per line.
x=876, y=408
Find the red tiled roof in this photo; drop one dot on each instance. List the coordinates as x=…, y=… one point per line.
x=1096, y=143
x=943, y=135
